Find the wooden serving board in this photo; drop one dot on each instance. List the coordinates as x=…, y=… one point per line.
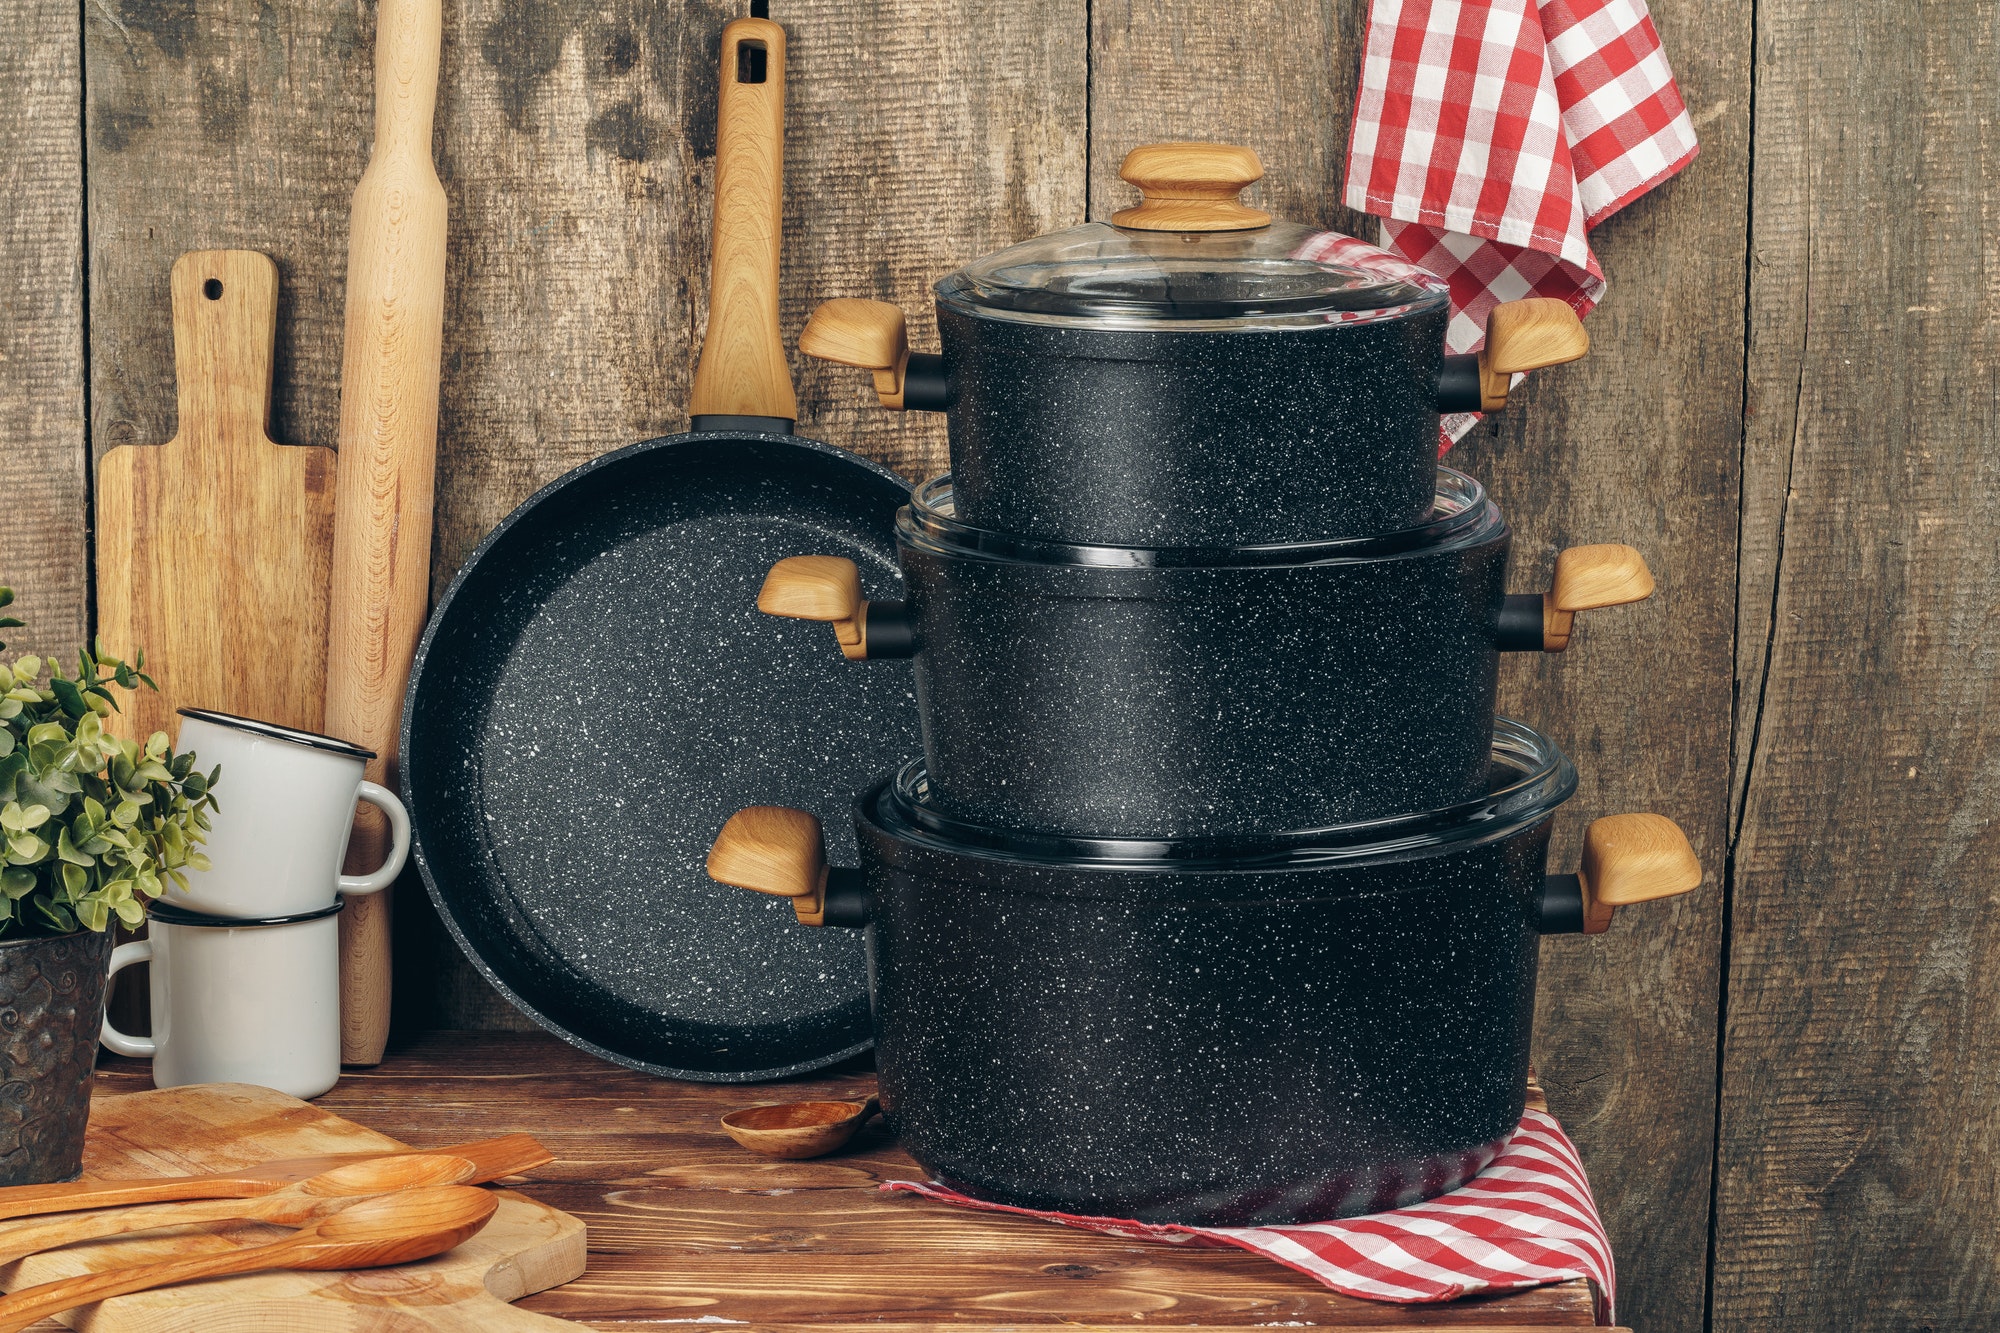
x=527, y=1247
x=215, y=550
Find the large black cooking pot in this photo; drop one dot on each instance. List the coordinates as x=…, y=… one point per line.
x=1098, y=690
x=1222, y=1033
x=1193, y=373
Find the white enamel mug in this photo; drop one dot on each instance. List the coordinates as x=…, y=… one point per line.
x=238, y=1001
x=285, y=806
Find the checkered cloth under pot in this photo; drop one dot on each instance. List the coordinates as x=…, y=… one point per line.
x=1527, y=1220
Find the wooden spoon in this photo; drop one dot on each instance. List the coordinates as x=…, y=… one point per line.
x=508, y=1155
x=294, y=1205
x=373, y=1233
x=799, y=1129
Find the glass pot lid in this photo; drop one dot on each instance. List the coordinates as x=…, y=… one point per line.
x=1529, y=777
x=1189, y=256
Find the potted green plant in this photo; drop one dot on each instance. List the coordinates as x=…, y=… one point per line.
x=92, y=827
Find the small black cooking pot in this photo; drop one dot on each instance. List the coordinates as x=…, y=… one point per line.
x=1239, y=1033
x=1119, y=691
x=1193, y=373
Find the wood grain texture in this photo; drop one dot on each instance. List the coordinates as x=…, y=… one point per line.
x=743, y=369
x=44, y=461
x=391, y=345
x=213, y=549
x=1861, y=1084
x=685, y=1225
x=220, y=1127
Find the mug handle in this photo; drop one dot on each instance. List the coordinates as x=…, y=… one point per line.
x=399, y=851
x=138, y=951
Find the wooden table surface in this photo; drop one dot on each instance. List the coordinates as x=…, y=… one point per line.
x=687, y=1228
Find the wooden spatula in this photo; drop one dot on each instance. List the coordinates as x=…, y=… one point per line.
x=213, y=550
x=492, y=1159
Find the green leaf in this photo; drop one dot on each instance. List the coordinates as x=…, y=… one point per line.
x=17, y=883
x=24, y=849
x=74, y=881
x=53, y=915
x=68, y=851
x=131, y=912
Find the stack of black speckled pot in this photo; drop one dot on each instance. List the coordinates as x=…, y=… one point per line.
x=1214, y=895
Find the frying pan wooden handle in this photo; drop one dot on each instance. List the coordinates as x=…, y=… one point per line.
x=742, y=370
x=387, y=472
x=1526, y=335
x=1633, y=859
x=820, y=587
x=870, y=334
x=1190, y=187
x=777, y=850
x=1588, y=578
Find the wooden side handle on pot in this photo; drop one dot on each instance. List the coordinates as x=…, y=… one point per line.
x=1587, y=578
x=1190, y=187
x=828, y=588
x=742, y=371
x=777, y=850
x=1522, y=335
x=875, y=336
x=1627, y=859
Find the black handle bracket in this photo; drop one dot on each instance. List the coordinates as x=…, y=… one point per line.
x=889, y=630
x=846, y=898
x=926, y=387
x=1559, y=906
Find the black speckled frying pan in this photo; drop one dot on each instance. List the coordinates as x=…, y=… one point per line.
x=597, y=692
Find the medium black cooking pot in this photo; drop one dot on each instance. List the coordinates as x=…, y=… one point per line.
x=1119, y=691
x=1193, y=373
x=1222, y=1033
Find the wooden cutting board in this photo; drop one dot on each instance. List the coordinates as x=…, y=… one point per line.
x=527, y=1247
x=215, y=550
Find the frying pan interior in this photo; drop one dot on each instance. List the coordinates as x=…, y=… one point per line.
x=597, y=693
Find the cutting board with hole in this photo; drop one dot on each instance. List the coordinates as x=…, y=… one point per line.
x=215, y=550
x=527, y=1247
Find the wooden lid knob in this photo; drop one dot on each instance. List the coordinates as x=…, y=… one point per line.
x=1190, y=187
x=1633, y=859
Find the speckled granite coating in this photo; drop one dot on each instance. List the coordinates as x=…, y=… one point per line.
x=1189, y=438
x=1221, y=1046
x=596, y=694
x=1202, y=699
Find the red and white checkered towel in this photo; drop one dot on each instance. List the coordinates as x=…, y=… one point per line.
x=1527, y=1220
x=1491, y=135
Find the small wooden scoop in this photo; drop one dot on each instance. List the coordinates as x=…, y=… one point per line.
x=374, y=1233
x=799, y=1129
x=508, y=1155
x=294, y=1205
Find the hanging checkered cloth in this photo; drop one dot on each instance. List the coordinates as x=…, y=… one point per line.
x=1527, y=1220
x=1491, y=135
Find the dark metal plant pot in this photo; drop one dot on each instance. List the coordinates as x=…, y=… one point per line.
x=1231, y=1033
x=1113, y=691
x=51, y=1012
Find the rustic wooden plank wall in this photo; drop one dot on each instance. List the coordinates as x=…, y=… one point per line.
x=1861, y=1081
x=1807, y=693
x=42, y=460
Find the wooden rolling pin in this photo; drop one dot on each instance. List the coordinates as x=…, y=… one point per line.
x=388, y=456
